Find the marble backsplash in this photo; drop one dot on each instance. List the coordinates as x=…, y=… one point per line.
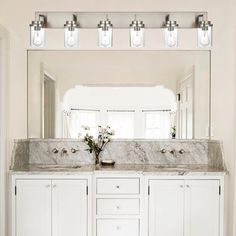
x=40, y=151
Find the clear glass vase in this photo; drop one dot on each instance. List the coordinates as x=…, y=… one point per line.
x=96, y=159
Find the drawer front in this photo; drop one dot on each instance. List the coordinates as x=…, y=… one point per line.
x=118, y=227
x=118, y=186
x=117, y=206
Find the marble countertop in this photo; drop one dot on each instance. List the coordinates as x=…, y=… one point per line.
x=119, y=168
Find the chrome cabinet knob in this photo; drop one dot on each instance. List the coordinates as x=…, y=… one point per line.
x=117, y=186
x=47, y=186
x=118, y=208
x=118, y=227
x=54, y=186
x=187, y=186
x=181, y=186
x=55, y=150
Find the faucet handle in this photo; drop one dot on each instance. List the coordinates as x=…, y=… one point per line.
x=163, y=150
x=73, y=150
x=181, y=151
x=55, y=150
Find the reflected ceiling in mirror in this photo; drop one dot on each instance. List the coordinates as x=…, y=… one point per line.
x=139, y=94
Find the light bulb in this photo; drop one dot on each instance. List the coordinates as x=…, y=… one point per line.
x=105, y=38
x=71, y=40
x=37, y=38
x=171, y=40
x=137, y=41
x=205, y=40
x=71, y=37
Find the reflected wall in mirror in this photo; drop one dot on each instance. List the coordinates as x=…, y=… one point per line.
x=140, y=94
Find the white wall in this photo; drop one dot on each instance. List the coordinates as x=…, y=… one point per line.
x=16, y=15
x=3, y=127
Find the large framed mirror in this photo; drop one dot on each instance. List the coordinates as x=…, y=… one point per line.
x=139, y=94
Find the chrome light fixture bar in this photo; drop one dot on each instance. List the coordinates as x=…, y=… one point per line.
x=37, y=32
x=120, y=20
x=71, y=33
x=105, y=33
x=204, y=32
x=170, y=33
x=137, y=34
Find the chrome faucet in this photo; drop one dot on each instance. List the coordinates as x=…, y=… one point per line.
x=64, y=151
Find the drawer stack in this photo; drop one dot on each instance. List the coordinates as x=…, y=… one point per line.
x=117, y=206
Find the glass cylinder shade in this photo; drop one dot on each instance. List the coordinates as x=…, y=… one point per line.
x=37, y=35
x=105, y=37
x=71, y=37
x=171, y=38
x=205, y=37
x=136, y=38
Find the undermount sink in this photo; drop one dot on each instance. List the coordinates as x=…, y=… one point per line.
x=58, y=167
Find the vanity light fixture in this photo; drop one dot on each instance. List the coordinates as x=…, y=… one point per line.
x=37, y=32
x=105, y=33
x=170, y=33
x=71, y=33
x=137, y=34
x=204, y=32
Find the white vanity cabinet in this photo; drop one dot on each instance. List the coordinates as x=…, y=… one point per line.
x=50, y=207
x=117, y=204
x=184, y=207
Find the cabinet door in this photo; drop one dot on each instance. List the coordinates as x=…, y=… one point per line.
x=166, y=208
x=202, y=208
x=33, y=208
x=69, y=207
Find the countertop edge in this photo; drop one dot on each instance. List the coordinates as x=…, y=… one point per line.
x=145, y=173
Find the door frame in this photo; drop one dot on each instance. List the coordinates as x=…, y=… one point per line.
x=3, y=130
x=46, y=72
x=191, y=75
x=52, y=80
